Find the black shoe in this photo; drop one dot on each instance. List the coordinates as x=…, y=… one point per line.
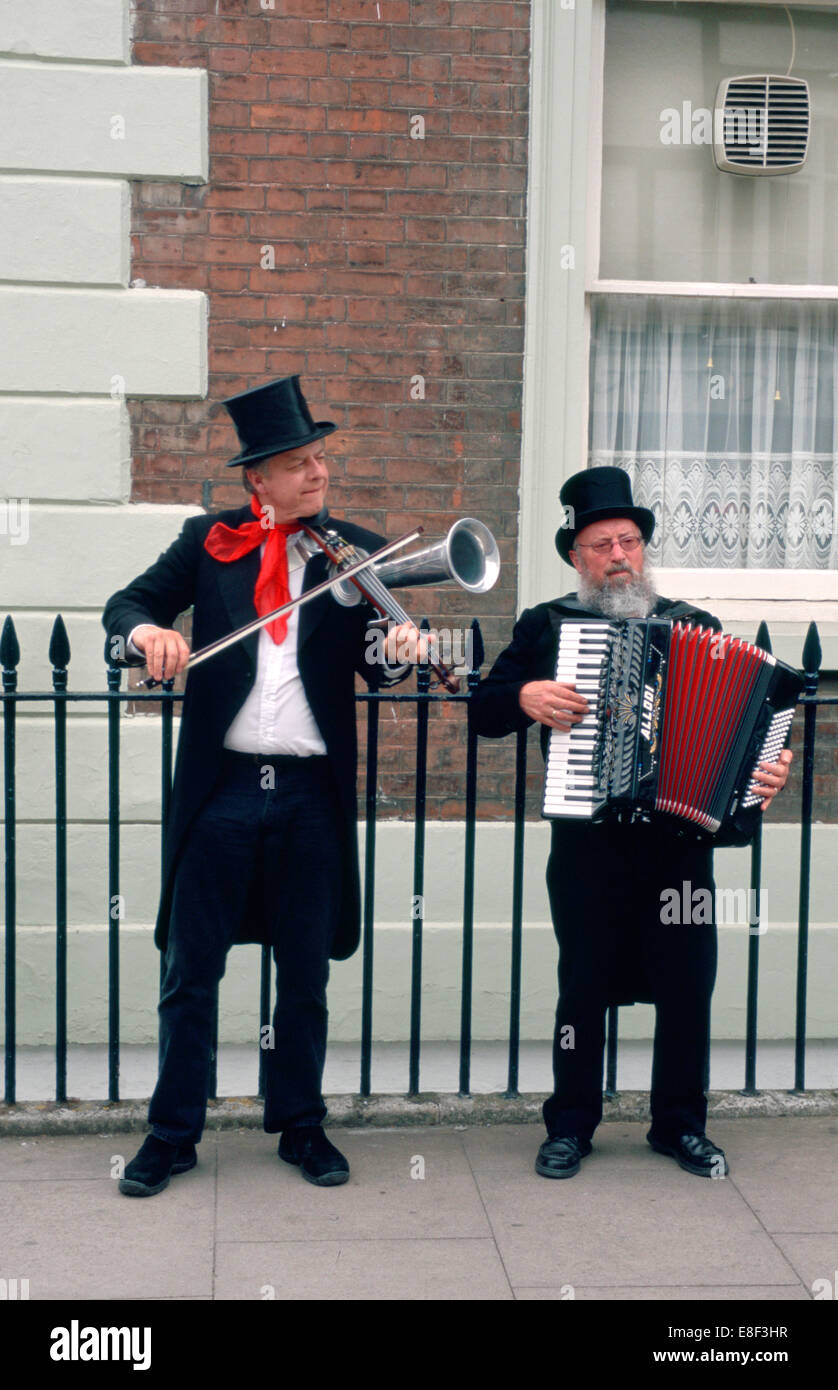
x=150, y=1169
x=310, y=1150
x=695, y=1152
x=560, y=1157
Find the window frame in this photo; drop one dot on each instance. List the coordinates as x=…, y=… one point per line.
x=744, y=596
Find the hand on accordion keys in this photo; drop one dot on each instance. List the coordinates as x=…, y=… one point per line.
x=552, y=703
x=770, y=778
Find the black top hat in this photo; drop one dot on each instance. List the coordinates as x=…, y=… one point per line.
x=270, y=419
x=595, y=495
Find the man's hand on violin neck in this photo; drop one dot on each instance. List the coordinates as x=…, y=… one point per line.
x=407, y=643
x=166, y=652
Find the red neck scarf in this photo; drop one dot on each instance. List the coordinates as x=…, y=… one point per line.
x=227, y=543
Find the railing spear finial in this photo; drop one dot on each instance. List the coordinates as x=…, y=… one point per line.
x=9, y=645
x=812, y=651
x=59, y=645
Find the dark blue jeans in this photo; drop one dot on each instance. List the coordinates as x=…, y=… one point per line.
x=278, y=847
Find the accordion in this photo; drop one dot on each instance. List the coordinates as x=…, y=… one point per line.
x=679, y=718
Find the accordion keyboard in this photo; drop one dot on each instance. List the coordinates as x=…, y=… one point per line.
x=572, y=778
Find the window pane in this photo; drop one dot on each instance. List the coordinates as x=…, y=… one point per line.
x=667, y=212
x=725, y=415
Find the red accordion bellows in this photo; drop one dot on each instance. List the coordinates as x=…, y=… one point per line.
x=711, y=678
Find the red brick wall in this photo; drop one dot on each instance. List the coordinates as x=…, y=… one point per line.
x=393, y=257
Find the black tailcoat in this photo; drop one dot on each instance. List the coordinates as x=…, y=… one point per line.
x=604, y=880
x=331, y=648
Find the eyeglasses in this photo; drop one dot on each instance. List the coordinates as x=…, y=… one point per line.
x=627, y=543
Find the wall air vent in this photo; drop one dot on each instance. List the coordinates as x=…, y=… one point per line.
x=761, y=124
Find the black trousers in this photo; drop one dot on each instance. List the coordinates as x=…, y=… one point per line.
x=268, y=838
x=611, y=898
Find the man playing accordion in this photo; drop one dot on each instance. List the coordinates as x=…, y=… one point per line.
x=606, y=878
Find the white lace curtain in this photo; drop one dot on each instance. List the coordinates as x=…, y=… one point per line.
x=725, y=415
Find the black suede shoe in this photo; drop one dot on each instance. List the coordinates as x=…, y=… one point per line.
x=150, y=1169
x=560, y=1156
x=310, y=1150
x=695, y=1153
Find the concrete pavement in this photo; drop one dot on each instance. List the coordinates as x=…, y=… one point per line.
x=430, y=1213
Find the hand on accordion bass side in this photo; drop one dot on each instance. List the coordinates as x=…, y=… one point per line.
x=770, y=778
x=553, y=703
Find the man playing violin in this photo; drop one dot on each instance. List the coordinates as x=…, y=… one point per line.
x=261, y=838
x=605, y=878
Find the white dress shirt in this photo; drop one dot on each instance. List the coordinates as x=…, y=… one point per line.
x=276, y=716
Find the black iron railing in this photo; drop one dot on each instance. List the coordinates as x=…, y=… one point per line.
x=422, y=697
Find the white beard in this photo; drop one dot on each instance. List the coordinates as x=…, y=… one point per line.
x=633, y=598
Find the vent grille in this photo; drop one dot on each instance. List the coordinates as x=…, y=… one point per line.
x=761, y=124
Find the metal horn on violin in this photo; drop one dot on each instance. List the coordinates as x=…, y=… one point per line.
x=467, y=556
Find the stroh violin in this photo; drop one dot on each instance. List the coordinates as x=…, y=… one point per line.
x=467, y=556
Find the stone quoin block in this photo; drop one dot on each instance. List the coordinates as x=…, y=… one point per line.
x=60, y=450
x=65, y=231
x=96, y=30
x=135, y=122
x=103, y=342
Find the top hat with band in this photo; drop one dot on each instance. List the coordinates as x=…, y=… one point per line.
x=597, y=494
x=270, y=419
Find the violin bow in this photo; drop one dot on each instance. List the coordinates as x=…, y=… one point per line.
x=222, y=643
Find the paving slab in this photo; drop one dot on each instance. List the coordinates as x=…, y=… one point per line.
x=610, y=1226
x=815, y=1258
x=790, y=1182
x=77, y=1239
x=659, y=1293
x=48, y=1158
x=380, y=1270
x=260, y=1197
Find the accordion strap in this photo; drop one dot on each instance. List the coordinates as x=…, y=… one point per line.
x=676, y=611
